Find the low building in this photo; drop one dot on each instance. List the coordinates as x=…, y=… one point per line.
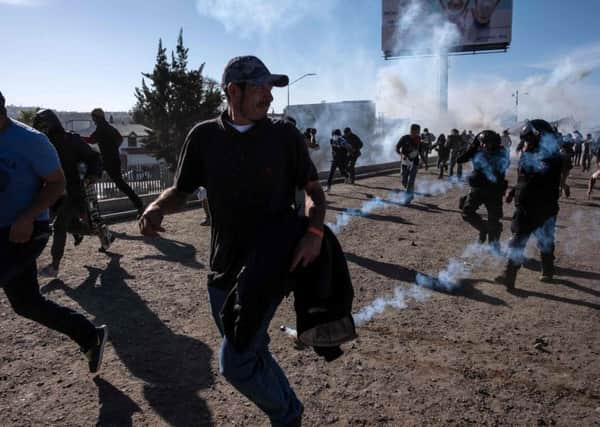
x=133, y=149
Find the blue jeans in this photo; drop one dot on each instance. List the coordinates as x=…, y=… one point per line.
x=254, y=372
x=409, y=174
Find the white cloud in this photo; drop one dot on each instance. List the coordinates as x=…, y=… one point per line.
x=260, y=16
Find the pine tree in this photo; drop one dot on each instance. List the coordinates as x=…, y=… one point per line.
x=27, y=116
x=177, y=99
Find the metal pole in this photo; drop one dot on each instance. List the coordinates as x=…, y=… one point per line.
x=291, y=83
x=443, y=83
x=517, y=105
x=516, y=96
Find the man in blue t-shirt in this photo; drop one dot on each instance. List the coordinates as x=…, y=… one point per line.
x=31, y=180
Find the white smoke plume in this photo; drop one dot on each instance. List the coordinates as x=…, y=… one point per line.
x=398, y=301
x=260, y=17
x=408, y=88
x=423, y=188
x=461, y=267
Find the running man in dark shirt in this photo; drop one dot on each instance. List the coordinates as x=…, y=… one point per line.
x=250, y=167
x=109, y=140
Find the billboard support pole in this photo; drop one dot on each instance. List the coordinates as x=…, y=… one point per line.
x=443, y=58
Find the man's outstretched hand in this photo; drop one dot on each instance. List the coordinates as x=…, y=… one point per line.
x=151, y=220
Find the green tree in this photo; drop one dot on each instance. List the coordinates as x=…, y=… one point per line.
x=27, y=116
x=175, y=100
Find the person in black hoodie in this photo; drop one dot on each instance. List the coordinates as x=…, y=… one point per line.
x=109, y=139
x=536, y=197
x=72, y=151
x=488, y=184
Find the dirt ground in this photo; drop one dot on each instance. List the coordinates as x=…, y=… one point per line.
x=461, y=358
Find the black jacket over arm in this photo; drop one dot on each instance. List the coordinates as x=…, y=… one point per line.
x=323, y=290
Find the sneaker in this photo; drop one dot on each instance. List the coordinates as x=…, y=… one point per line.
x=206, y=222
x=546, y=278
x=49, y=271
x=95, y=353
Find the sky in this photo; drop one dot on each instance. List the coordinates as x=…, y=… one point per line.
x=76, y=55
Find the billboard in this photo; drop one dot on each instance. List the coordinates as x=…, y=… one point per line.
x=414, y=27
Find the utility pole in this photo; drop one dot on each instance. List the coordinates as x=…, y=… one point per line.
x=516, y=96
x=291, y=83
x=443, y=82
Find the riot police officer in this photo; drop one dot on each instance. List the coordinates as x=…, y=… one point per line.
x=488, y=185
x=536, y=197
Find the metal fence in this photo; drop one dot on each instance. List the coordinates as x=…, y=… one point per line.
x=143, y=179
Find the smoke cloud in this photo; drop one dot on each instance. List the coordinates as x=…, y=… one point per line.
x=561, y=89
x=461, y=267
x=423, y=187
x=398, y=301
x=409, y=87
x=266, y=15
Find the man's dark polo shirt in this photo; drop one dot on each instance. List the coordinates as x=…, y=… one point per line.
x=249, y=177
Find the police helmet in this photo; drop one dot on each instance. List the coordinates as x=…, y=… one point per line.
x=489, y=140
x=532, y=130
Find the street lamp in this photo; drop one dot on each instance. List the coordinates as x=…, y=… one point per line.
x=291, y=83
x=516, y=96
